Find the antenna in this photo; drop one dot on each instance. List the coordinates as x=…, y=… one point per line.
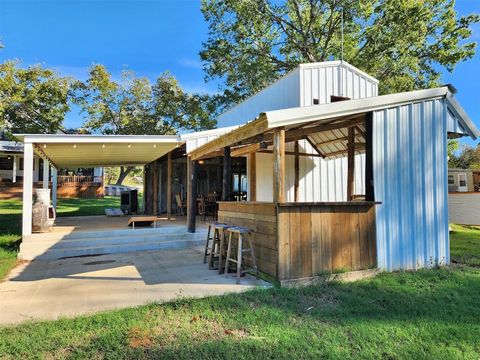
x=342, y=36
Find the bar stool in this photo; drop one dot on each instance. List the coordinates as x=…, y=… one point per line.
x=218, y=239
x=240, y=232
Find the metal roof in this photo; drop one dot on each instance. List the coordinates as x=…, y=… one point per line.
x=64, y=150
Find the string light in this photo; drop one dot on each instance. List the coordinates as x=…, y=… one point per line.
x=74, y=146
x=103, y=146
x=129, y=145
x=44, y=146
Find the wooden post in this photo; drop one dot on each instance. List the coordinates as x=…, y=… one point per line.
x=14, y=173
x=297, y=173
x=252, y=176
x=155, y=187
x=351, y=163
x=278, y=165
x=46, y=166
x=54, y=187
x=169, y=185
x=27, y=189
x=369, y=189
x=227, y=174
x=191, y=194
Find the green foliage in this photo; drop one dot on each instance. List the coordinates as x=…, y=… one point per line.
x=402, y=43
x=134, y=106
x=468, y=158
x=32, y=100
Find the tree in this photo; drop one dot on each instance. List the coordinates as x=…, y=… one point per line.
x=134, y=106
x=32, y=100
x=402, y=43
x=468, y=158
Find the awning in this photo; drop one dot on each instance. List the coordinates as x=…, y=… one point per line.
x=70, y=151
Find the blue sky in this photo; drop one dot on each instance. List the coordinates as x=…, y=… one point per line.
x=148, y=37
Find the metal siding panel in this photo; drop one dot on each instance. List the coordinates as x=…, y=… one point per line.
x=410, y=176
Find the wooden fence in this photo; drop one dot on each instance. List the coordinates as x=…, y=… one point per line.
x=79, y=186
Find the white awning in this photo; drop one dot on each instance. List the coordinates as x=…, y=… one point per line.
x=70, y=151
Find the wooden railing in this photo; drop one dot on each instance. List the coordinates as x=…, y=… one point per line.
x=79, y=180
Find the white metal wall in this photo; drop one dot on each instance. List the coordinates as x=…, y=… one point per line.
x=197, y=139
x=300, y=87
x=283, y=93
x=321, y=81
x=320, y=180
x=410, y=179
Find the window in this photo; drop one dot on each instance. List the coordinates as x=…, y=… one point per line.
x=6, y=163
x=451, y=180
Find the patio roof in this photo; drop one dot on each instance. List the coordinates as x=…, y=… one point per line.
x=100, y=150
x=326, y=126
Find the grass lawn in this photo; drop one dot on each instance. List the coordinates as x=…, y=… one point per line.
x=428, y=314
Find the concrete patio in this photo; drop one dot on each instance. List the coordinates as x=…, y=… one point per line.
x=49, y=289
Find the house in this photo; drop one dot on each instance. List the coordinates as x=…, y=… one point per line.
x=11, y=162
x=327, y=174
x=463, y=180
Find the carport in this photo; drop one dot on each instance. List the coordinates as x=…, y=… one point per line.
x=61, y=151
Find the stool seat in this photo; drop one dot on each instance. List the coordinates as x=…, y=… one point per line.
x=239, y=230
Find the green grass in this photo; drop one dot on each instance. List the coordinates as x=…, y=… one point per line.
x=465, y=244
x=85, y=207
x=428, y=314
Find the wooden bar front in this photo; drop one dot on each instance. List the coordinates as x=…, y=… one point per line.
x=301, y=240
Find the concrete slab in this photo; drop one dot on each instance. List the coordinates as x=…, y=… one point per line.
x=44, y=289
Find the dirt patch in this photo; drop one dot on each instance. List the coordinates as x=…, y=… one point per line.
x=139, y=338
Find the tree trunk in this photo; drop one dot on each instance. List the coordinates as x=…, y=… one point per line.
x=124, y=171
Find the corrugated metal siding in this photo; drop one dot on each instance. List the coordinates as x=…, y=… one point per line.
x=320, y=180
x=410, y=179
x=323, y=81
x=453, y=125
x=284, y=93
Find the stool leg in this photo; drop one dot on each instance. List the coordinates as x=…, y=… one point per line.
x=206, y=245
x=212, y=251
x=220, y=255
x=229, y=249
x=239, y=258
x=254, y=262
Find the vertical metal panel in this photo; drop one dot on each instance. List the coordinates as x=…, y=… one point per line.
x=410, y=179
x=283, y=93
x=453, y=125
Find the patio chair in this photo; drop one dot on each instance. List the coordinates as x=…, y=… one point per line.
x=180, y=205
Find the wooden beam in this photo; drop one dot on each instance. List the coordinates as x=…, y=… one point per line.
x=252, y=176
x=297, y=172
x=314, y=146
x=191, y=194
x=351, y=163
x=291, y=153
x=369, y=185
x=279, y=165
x=169, y=185
x=249, y=130
x=244, y=150
x=227, y=174
x=301, y=132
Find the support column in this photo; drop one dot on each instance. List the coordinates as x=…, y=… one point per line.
x=278, y=165
x=351, y=163
x=27, y=189
x=369, y=188
x=169, y=185
x=297, y=173
x=227, y=175
x=252, y=176
x=191, y=194
x=155, y=187
x=46, y=166
x=54, y=187
x=14, y=172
